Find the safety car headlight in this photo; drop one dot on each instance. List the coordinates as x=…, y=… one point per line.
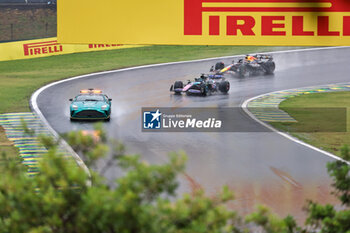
x=74, y=107
x=104, y=107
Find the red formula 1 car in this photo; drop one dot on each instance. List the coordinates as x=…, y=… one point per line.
x=258, y=64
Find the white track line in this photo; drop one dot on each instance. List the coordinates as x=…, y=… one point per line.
x=251, y=115
x=35, y=107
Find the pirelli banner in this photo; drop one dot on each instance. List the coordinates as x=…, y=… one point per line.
x=48, y=47
x=205, y=22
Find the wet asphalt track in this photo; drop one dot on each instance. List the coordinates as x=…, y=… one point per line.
x=261, y=167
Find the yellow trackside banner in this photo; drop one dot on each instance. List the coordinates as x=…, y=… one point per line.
x=48, y=47
x=205, y=22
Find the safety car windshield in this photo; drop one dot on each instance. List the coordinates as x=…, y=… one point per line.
x=89, y=98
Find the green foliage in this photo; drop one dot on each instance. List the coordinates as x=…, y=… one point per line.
x=7, y=150
x=327, y=219
x=91, y=146
x=26, y=129
x=43, y=202
x=271, y=223
x=60, y=198
x=197, y=213
x=340, y=171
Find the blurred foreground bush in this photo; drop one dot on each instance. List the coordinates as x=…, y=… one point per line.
x=61, y=199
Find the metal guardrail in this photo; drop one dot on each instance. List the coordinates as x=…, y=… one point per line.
x=27, y=31
x=20, y=21
x=24, y=2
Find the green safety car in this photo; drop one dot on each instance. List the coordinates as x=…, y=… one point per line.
x=90, y=104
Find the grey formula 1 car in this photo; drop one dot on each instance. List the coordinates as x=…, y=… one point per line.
x=204, y=85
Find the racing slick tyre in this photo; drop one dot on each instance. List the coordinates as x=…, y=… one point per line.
x=269, y=67
x=219, y=66
x=204, y=90
x=178, y=84
x=224, y=87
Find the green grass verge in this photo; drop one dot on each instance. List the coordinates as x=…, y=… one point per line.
x=326, y=125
